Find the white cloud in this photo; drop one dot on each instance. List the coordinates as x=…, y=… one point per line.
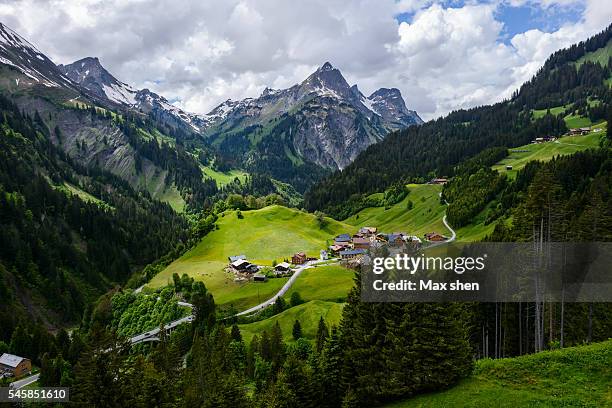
x=203, y=52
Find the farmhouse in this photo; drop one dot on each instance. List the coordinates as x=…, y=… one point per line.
x=282, y=267
x=351, y=253
x=342, y=238
x=334, y=249
x=361, y=243
x=412, y=238
x=235, y=258
x=579, y=131
x=243, y=265
x=508, y=167
x=434, y=236
x=438, y=181
x=298, y=258
x=258, y=277
x=15, y=365
x=395, y=239
x=367, y=231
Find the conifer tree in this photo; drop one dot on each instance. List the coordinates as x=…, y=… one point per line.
x=322, y=334
x=297, y=330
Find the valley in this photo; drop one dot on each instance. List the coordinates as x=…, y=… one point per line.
x=246, y=227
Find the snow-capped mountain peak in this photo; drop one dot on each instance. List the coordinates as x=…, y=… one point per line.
x=19, y=53
x=89, y=73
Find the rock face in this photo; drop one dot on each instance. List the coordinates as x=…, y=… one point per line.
x=91, y=75
x=330, y=121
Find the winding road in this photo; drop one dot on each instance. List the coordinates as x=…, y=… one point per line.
x=282, y=290
x=24, y=382
x=152, y=335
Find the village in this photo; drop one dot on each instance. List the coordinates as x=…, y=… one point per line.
x=346, y=249
x=583, y=131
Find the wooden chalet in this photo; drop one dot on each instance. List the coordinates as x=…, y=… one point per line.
x=15, y=365
x=434, y=237
x=298, y=258
x=282, y=267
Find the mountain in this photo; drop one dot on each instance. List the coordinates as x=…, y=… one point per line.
x=296, y=134
x=90, y=74
x=574, y=84
x=103, y=124
x=16, y=52
x=322, y=120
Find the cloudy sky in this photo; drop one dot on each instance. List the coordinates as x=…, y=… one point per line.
x=442, y=55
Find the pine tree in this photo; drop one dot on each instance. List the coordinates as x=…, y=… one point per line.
x=297, y=330
x=235, y=334
x=322, y=334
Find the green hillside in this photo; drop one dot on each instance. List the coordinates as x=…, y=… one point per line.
x=601, y=55
x=271, y=233
x=331, y=282
x=425, y=215
x=520, y=156
x=572, y=377
x=308, y=314
x=223, y=178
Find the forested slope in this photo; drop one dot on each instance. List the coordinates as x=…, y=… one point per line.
x=60, y=247
x=436, y=147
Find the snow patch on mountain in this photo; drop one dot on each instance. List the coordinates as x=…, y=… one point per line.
x=120, y=93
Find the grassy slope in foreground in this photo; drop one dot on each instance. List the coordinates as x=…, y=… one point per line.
x=572, y=377
x=271, y=233
x=425, y=216
x=308, y=314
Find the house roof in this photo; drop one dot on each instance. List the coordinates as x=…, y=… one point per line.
x=343, y=238
x=11, y=360
x=235, y=258
x=299, y=254
x=239, y=263
x=352, y=252
x=370, y=230
x=361, y=241
x=283, y=265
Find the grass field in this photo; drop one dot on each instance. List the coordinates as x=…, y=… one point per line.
x=425, y=216
x=476, y=230
x=538, y=113
x=308, y=314
x=601, y=56
x=546, y=151
x=271, y=233
x=571, y=120
x=223, y=178
x=331, y=282
x=573, y=377
x=83, y=195
x=577, y=121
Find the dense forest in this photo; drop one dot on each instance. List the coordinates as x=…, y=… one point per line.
x=422, y=152
x=59, y=249
x=380, y=352
x=568, y=199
